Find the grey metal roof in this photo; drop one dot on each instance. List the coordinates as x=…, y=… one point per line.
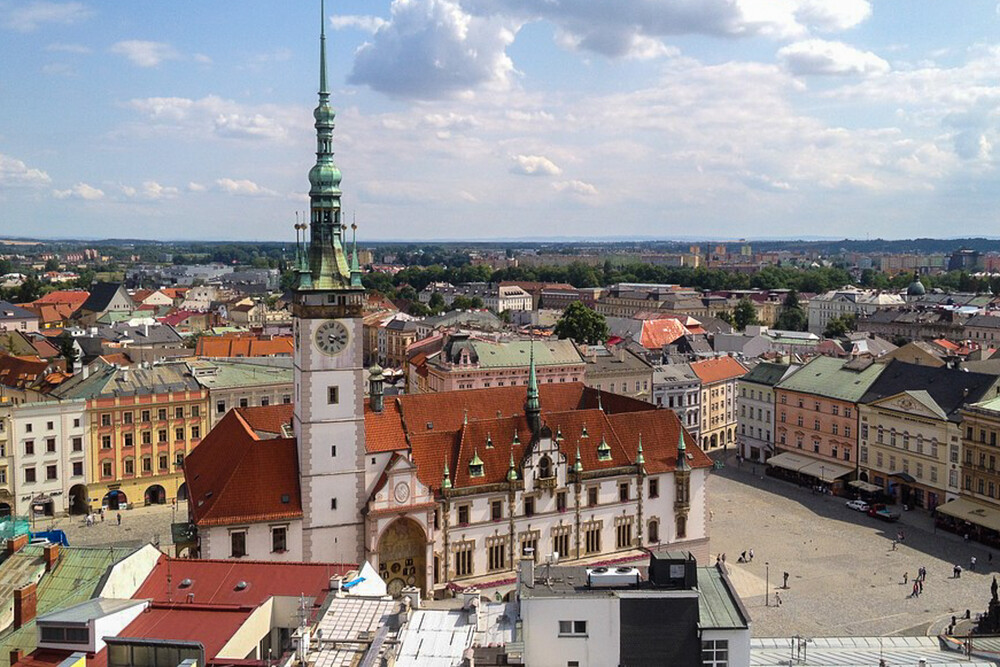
x=89, y=610
x=718, y=605
x=859, y=652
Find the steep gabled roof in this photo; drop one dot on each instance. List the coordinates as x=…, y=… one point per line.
x=949, y=388
x=234, y=476
x=101, y=295
x=718, y=369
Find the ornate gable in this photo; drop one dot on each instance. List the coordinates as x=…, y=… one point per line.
x=917, y=403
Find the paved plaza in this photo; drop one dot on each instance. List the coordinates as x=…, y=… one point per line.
x=139, y=526
x=845, y=578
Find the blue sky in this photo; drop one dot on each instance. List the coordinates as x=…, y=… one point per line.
x=502, y=118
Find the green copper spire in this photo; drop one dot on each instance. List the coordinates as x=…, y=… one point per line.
x=512, y=471
x=603, y=450
x=639, y=458
x=578, y=466
x=533, y=407
x=327, y=260
x=682, y=461
x=355, y=265
x=446, y=483
x=476, y=465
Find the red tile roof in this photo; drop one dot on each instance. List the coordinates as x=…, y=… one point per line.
x=243, y=346
x=233, y=476
x=270, y=419
x=21, y=372
x=664, y=331
x=178, y=317
x=74, y=298
x=717, y=369
x=214, y=581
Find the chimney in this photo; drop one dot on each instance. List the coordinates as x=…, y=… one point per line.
x=51, y=556
x=17, y=543
x=25, y=605
x=16, y=655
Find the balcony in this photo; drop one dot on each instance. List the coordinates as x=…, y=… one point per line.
x=545, y=482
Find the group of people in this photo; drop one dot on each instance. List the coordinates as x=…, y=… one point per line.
x=918, y=581
x=746, y=556
x=92, y=517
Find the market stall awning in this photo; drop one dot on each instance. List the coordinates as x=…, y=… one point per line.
x=826, y=471
x=864, y=486
x=789, y=461
x=905, y=476
x=978, y=513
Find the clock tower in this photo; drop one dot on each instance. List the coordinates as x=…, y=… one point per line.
x=329, y=397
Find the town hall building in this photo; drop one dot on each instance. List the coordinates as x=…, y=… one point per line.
x=431, y=489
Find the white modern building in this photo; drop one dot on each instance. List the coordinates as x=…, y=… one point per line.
x=849, y=300
x=48, y=447
x=675, y=386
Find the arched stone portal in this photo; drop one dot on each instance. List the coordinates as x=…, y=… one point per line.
x=155, y=495
x=79, y=501
x=402, y=556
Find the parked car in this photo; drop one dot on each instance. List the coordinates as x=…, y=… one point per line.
x=857, y=505
x=880, y=511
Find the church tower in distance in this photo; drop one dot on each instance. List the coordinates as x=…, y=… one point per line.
x=329, y=397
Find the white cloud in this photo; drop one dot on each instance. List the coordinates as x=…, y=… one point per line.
x=80, y=191
x=58, y=47
x=202, y=58
x=821, y=57
x=365, y=23
x=633, y=28
x=214, y=116
x=433, y=48
x=31, y=15
x=535, y=165
x=14, y=173
x=243, y=188
x=144, y=53
x=151, y=191
x=576, y=187
x=196, y=187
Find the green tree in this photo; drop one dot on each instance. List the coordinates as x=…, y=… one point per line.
x=52, y=264
x=582, y=324
x=791, y=317
x=727, y=317
x=67, y=350
x=840, y=326
x=745, y=314
x=436, y=303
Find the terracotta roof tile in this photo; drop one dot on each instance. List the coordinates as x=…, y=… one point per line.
x=664, y=331
x=75, y=298
x=717, y=369
x=234, y=477
x=271, y=419
x=244, y=346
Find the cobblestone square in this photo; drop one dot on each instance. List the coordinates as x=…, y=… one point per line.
x=845, y=579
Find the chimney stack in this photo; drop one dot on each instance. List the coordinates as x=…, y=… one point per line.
x=25, y=605
x=51, y=556
x=16, y=543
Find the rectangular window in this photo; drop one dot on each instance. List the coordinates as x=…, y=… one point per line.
x=179, y=413
x=238, y=543
x=50, y=445
x=715, y=653
x=623, y=534
x=195, y=410
x=195, y=432
x=592, y=496
x=572, y=628
x=244, y=402
x=265, y=400
x=29, y=475
x=161, y=414
x=279, y=539
x=654, y=487
x=179, y=459
x=106, y=468
x=463, y=515
x=76, y=423
x=560, y=541
x=496, y=554
x=147, y=437
x=463, y=559
x=163, y=462
x=220, y=407
x=623, y=492
x=333, y=503
x=126, y=417
x=147, y=464
x=496, y=510
x=105, y=442
x=179, y=433
x=593, y=538
x=286, y=399
x=129, y=466
x=333, y=395
x=529, y=506
x=106, y=419
x=161, y=435
x=51, y=472
x=27, y=429
x=145, y=415
x=561, y=501
x=127, y=440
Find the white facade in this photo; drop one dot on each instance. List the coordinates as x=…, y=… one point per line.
x=756, y=419
x=676, y=387
x=260, y=541
x=848, y=301
x=329, y=424
x=48, y=443
x=508, y=297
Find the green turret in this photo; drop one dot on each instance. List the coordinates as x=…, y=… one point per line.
x=682, y=461
x=533, y=407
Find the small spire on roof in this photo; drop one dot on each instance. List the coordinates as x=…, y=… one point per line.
x=583, y=433
x=517, y=439
x=578, y=466
x=639, y=458
x=465, y=416
x=512, y=471
x=476, y=468
x=603, y=450
x=446, y=483
x=489, y=440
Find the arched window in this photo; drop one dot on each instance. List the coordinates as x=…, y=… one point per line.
x=545, y=468
x=654, y=530
x=681, y=526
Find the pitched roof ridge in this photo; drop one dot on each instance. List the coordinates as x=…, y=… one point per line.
x=233, y=469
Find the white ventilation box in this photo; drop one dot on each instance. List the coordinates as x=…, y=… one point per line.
x=600, y=577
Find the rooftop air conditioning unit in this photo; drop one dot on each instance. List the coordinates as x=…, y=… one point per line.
x=602, y=577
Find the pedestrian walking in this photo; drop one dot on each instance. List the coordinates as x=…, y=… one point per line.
x=921, y=589
x=777, y=599
x=972, y=563
x=966, y=537
x=785, y=584
x=957, y=571
x=916, y=590
x=894, y=545
x=751, y=555
x=90, y=520
x=119, y=518
x=906, y=577
x=743, y=557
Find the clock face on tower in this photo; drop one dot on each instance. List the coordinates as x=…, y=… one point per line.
x=332, y=337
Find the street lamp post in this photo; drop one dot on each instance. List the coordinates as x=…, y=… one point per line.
x=767, y=584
